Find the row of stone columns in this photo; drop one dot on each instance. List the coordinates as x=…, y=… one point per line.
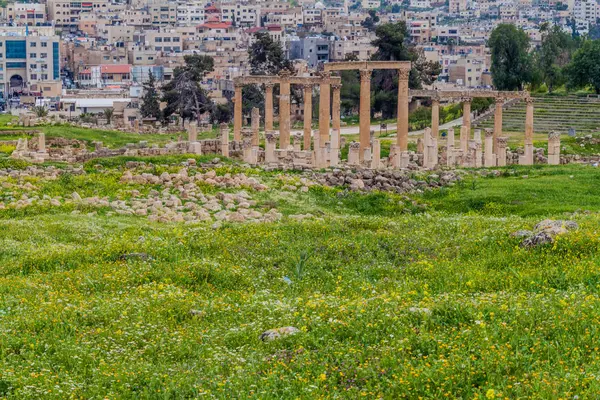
x=365, y=112
x=466, y=147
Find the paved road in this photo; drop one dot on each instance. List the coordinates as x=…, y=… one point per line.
x=354, y=130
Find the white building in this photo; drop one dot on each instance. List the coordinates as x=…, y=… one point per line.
x=586, y=10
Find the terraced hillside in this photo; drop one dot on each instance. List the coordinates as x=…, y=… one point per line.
x=551, y=113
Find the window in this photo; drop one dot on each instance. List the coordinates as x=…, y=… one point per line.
x=32, y=44
x=158, y=40
x=16, y=65
x=44, y=77
x=55, y=61
x=44, y=44
x=43, y=55
x=32, y=55
x=33, y=76
x=16, y=49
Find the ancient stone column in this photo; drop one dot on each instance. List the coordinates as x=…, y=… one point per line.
x=450, y=151
x=284, y=109
x=324, y=108
x=464, y=139
x=268, y=107
x=435, y=117
x=255, y=124
x=247, y=145
x=502, y=142
x=497, y=122
x=41, y=142
x=237, y=112
x=528, y=156
x=477, y=135
x=354, y=154
x=478, y=162
x=365, y=111
x=224, y=136
x=297, y=140
x=192, y=131
x=308, y=90
x=270, y=145
x=376, y=156
x=467, y=114
x=402, y=122
x=490, y=158
x=318, y=161
x=554, y=148
x=336, y=116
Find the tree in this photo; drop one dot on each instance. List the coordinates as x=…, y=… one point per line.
x=584, y=70
x=183, y=93
x=150, y=100
x=108, y=114
x=266, y=57
x=553, y=54
x=222, y=113
x=393, y=44
x=371, y=20
x=511, y=66
x=594, y=32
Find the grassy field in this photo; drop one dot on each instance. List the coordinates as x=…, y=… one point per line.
x=392, y=301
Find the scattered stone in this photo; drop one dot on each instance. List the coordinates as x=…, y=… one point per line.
x=136, y=256
x=546, y=231
x=277, y=333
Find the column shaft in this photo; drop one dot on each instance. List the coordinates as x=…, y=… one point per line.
x=237, y=113
x=435, y=118
x=269, y=107
x=467, y=115
x=497, y=123
x=402, y=123
x=365, y=112
x=336, y=110
x=529, y=121
x=324, y=109
x=307, y=115
x=284, y=112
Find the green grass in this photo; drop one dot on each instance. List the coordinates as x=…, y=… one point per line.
x=393, y=301
x=524, y=191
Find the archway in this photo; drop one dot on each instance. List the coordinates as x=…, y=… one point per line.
x=16, y=84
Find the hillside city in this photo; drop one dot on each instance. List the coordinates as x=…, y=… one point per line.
x=82, y=57
x=264, y=199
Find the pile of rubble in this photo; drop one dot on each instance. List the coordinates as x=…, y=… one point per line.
x=386, y=180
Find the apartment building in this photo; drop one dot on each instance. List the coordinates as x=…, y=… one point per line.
x=361, y=47
x=313, y=49
x=29, y=63
x=163, y=14
x=217, y=31
x=101, y=76
x=26, y=13
x=455, y=7
x=586, y=10
x=66, y=14
x=241, y=14
x=190, y=14
x=142, y=56
x=168, y=41
x=467, y=70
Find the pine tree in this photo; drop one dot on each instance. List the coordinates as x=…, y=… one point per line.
x=150, y=100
